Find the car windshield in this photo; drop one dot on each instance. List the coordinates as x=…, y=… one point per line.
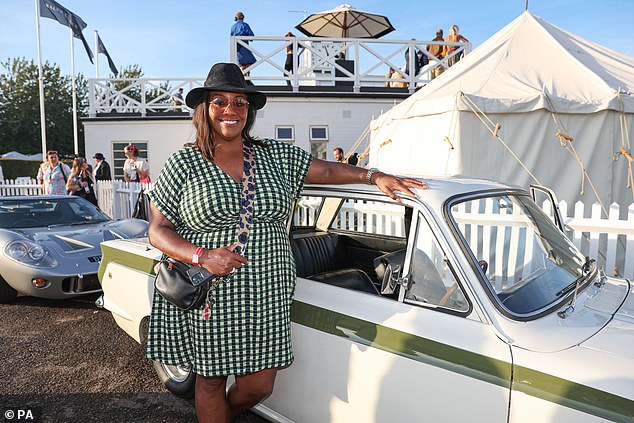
x=35, y=212
x=527, y=260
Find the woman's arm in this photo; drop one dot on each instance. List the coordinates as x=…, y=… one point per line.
x=72, y=185
x=162, y=234
x=325, y=172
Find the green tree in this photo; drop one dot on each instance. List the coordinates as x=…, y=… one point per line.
x=20, y=107
x=127, y=82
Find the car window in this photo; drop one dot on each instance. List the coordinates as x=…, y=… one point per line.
x=432, y=281
x=527, y=261
x=37, y=212
x=371, y=217
x=306, y=211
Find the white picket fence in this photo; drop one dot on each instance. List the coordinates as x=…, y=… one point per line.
x=609, y=240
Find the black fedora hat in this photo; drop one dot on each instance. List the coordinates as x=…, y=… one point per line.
x=225, y=77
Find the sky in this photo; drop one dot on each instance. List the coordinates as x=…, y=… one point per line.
x=172, y=39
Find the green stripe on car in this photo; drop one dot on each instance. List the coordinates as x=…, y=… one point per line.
x=131, y=261
x=531, y=382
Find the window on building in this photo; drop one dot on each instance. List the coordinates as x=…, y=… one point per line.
x=285, y=133
x=319, y=141
x=118, y=156
x=319, y=133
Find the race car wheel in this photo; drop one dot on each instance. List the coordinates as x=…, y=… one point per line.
x=179, y=380
x=7, y=293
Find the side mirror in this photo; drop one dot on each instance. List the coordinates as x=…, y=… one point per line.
x=390, y=279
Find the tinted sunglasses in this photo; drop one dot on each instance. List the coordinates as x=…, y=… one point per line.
x=221, y=103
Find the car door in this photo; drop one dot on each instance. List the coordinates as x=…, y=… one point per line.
x=384, y=358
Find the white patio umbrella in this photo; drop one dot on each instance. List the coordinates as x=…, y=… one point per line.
x=345, y=22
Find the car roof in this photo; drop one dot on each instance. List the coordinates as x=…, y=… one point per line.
x=440, y=189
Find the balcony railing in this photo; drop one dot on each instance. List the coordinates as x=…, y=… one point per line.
x=319, y=64
x=355, y=62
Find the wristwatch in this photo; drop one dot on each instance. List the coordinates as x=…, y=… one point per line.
x=368, y=176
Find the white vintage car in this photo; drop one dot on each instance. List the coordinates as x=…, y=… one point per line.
x=467, y=303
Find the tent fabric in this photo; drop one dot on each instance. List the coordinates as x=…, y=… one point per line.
x=534, y=80
x=529, y=64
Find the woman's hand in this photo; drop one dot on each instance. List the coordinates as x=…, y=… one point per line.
x=325, y=172
x=389, y=183
x=222, y=261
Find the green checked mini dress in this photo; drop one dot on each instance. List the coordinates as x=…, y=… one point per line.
x=249, y=327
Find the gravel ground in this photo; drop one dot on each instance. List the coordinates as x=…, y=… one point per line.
x=68, y=361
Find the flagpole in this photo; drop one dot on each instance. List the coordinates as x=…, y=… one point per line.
x=96, y=55
x=40, y=80
x=72, y=68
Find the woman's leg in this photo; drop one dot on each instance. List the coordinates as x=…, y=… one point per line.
x=249, y=390
x=211, y=399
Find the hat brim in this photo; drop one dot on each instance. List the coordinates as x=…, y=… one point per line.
x=256, y=98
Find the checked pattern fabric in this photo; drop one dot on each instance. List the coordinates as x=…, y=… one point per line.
x=249, y=325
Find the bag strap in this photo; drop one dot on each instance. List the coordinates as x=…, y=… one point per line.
x=245, y=219
x=248, y=193
x=61, y=168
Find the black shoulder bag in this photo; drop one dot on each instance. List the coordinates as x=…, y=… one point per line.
x=187, y=286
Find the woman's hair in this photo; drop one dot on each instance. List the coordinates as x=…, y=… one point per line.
x=454, y=29
x=204, y=138
x=133, y=149
x=77, y=163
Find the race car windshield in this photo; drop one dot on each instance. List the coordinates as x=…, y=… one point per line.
x=35, y=212
x=526, y=259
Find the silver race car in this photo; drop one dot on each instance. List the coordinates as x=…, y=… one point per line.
x=49, y=245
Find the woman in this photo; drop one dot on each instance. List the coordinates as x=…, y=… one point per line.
x=195, y=203
x=135, y=169
x=80, y=181
x=454, y=37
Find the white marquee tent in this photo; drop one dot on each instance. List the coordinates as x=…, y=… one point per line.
x=533, y=94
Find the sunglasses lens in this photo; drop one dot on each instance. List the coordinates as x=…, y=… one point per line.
x=221, y=103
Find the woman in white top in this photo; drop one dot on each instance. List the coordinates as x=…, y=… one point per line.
x=135, y=169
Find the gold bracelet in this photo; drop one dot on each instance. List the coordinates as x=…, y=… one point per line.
x=368, y=177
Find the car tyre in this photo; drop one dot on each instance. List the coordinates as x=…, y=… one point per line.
x=179, y=380
x=7, y=293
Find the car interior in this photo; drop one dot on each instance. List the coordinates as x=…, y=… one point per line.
x=352, y=245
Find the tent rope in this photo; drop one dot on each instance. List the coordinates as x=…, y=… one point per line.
x=565, y=141
x=494, y=128
x=356, y=144
x=625, y=139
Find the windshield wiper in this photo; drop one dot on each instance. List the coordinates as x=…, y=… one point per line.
x=588, y=269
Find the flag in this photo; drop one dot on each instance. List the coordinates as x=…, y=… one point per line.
x=102, y=49
x=53, y=10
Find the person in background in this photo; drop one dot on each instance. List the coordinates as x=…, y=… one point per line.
x=195, y=212
x=338, y=154
x=80, y=181
x=241, y=28
x=52, y=174
x=288, y=65
x=353, y=159
x=177, y=100
x=101, y=171
x=392, y=74
x=454, y=37
x=135, y=169
x=438, y=51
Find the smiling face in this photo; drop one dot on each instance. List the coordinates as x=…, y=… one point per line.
x=53, y=158
x=228, y=115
